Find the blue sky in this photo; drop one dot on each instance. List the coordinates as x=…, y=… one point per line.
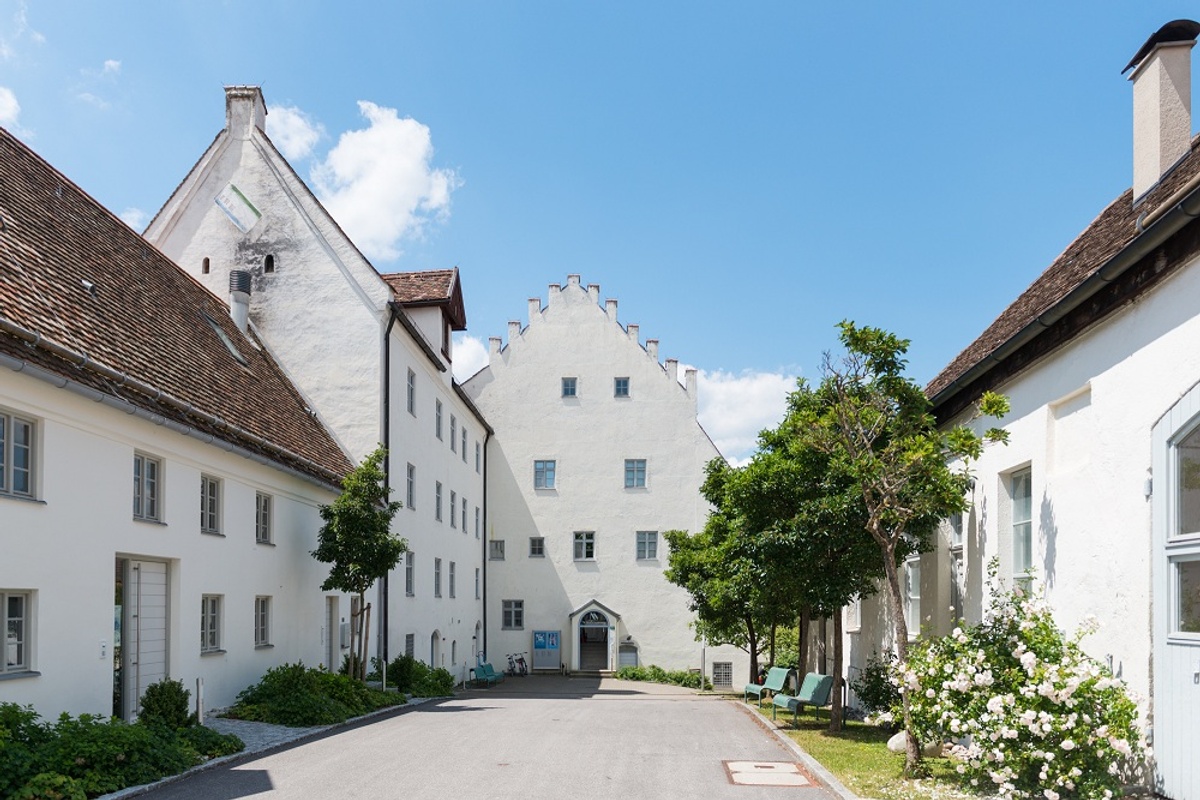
x=741, y=176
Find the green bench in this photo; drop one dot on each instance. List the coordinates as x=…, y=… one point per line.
x=486, y=675
x=815, y=691
x=776, y=678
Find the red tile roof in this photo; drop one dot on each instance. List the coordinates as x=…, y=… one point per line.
x=435, y=287
x=145, y=319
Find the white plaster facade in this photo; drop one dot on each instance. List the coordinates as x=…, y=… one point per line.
x=327, y=316
x=589, y=435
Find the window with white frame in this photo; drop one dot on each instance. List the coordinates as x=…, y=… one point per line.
x=912, y=596
x=262, y=621
x=210, y=504
x=410, y=573
x=620, y=387
x=478, y=457
x=410, y=644
x=210, y=623
x=513, y=614
x=262, y=517
x=853, y=617
x=437, y=577
x=437, y=418
x=537, y=547
x=16, y=607
x=411, y=393
x=476, y=522
x=635, y=473
x=453, y=433
x=451, y=578
x=410, y=486
x=496, y=549
x=463, y=451
x=437, y=501
x=647, y=545
x=543, y=474
x=1021, y=496
x=569, y=386
x=16, y=454
x=464, y=515
x=1187, y=596
x=585, y=545
x=453, y=509
x=146, y=471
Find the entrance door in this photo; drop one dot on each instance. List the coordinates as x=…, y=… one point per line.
x=1176, y=600
x=140, y=658
x=593, y=642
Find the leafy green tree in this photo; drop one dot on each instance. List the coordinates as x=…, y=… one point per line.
x=356, y=540
x=876, y=427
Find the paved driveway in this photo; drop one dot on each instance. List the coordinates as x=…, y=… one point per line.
x=537, y=737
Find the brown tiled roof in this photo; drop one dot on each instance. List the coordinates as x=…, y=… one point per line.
x=1108, y=234
x=145, y=319
x=434, y=287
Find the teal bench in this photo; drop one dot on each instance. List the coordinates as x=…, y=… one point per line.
x=486, y=675
x=815, y=691
x=776, y=679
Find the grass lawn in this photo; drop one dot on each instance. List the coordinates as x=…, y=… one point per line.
x=859, y=757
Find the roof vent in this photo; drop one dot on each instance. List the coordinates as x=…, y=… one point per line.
x=239, y=298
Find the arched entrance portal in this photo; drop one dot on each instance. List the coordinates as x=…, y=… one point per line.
x=593, y=641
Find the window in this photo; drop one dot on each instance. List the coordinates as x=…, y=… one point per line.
x=437, y=418
x=478, y=457
x=410, y=644
x=437, y=501
x=1187, y=597
x=1021, y=486
x=210, y=623
x=16, y=631
x=853, y=618
x=620, y=387
x=437, y=577
x=912, y=596
x=568, y=387
x=722, y=675
x=477, y=583
x=453, y=647
x=543, y=474
x=453, y=433
x=452, y=578
x=647, y=545
x=464, y=444
x=496, y=550
x=464, y=515
x=410, y=487
x=145, y=487
x=411, y=392
x=453, y=509
x=635, y=473
x=410, y=566
x=476, y=522
x=262, y=621
x=513, y=616
x=957, y=588
x=16, y=455
x=537, y=547
x=585, y=545
x=210, y=504
x=262, y=518
x=269, y=263
x=205, y=266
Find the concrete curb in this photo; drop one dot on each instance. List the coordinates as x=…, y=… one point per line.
x=811, y=764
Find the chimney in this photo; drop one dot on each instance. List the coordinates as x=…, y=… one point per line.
x=535, y=308
x=689, y=382
x=634, y=330
x=514, y=330
x=1162, y=102
x=493, y=345
x=245, y=110
x=239, y=298
x=555, y=289
x=652, y=348
x=572, y=280
x=673, y=369
x=594, y=292
x=610, y=308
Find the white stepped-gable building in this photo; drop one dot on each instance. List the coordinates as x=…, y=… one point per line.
x=371, y=352
x=597, y=451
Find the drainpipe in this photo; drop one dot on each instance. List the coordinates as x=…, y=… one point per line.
x=483, y=543
x=387, y=477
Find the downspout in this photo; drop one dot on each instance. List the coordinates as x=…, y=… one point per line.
x=483, y=539
x=387, y=478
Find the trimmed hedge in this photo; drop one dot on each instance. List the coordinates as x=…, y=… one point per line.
x=300, y=696
x=656, y=674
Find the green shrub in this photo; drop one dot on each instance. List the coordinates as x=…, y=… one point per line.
x=873, y=685
x=295, y=695
x=166, y=703
x=405, y=672
x=435, y=683
x=105, y=756
x=208, y=743
x=656, y=674
x=50, y=786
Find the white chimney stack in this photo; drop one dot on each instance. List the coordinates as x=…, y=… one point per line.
x=239, y=298
x=245, y=110
x=1162, y=103
x=610, y=308
x=493, y=345
x=535, y=308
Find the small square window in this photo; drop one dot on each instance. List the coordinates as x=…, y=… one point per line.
x=146, y=473
x=1187, y=617
x=620, y=387
x=635, y=473
x=585, y=545
x=568, y=387
x=543, y=474
x=537, y=547
x=513, y=616
x=262, y=518
x=262, y=621
x=210, y=504
x=496, y=550
x=647, y=545
x=210, y=623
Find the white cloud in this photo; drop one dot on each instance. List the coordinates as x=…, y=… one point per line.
x=134, y=218
x=733, y=408
x=93, y=100
x=470, y=356
x=293, y=131
x=10, y=109
x=379, y=184
x=16, y=30
x=112, y=67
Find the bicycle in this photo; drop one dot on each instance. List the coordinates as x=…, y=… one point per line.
x=516, y=665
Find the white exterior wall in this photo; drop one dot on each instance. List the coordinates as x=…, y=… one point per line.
x=62, y=548
x=589, y=437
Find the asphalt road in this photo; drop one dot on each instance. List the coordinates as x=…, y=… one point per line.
x=528, y=738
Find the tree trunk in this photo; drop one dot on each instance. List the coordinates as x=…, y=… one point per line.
x=361, y=672
x=912, y=748
x=802, y=644
x=774, y=627
x=752, y=640
x=835, y=708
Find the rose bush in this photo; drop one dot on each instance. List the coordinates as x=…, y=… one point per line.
x=1030, y=714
